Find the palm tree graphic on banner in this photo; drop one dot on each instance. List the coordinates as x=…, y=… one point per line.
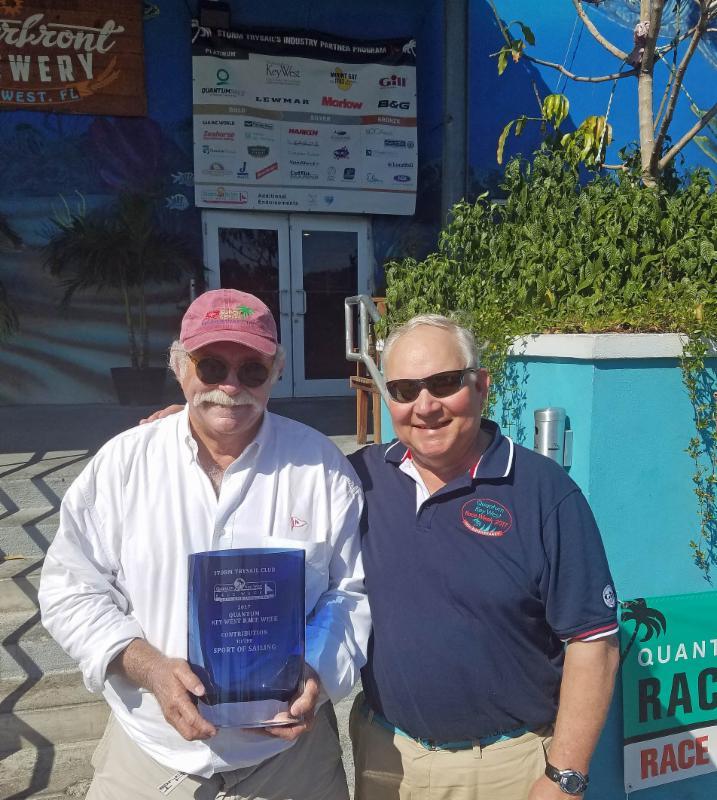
x=652, y=620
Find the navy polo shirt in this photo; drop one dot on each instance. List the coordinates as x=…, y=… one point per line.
x=473, y=596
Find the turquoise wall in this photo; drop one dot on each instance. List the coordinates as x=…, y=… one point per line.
x=632, y=421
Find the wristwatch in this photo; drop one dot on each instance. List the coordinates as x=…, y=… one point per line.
x=570, y=781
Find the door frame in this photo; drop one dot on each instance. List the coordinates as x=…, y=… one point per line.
x=289, y=229
x=212, y=221
x=298, y=223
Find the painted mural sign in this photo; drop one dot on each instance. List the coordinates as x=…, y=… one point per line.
x=669, y=679
x=304, y=121
x=81, y=57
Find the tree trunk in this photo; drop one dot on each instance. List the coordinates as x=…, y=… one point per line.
x=645, y=100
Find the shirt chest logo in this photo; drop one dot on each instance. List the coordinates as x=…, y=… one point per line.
x=297, y=522
x=486, y=517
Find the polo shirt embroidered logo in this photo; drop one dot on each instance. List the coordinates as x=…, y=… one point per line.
x=486, y=517
x=608, y=596
x=297, y=523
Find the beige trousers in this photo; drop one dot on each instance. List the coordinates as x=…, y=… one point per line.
x=392, y=767
x=309, y=770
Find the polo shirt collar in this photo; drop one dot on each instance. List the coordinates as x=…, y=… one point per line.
x=496, y=462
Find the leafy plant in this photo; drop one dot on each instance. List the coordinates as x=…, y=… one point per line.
x=122, y=247
x=653, y=23
x=558, y=256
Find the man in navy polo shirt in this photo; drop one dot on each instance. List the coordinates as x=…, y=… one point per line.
x=493, y=606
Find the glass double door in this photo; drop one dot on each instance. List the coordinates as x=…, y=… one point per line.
x=302, y=266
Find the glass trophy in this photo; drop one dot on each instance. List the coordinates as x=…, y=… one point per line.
x=245, y=633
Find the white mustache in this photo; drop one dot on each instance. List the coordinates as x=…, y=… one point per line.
x=218, y=398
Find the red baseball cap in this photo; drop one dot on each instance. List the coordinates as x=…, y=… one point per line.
x=228, y=315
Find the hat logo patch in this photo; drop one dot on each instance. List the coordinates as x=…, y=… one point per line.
x=238, y=313
x=486, y=517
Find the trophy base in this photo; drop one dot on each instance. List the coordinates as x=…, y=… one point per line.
x=249, y=714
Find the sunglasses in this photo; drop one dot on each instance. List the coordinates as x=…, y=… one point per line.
x=213, y=370
x=442, y=384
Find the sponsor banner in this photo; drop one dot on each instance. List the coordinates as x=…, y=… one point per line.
x=304, y=121
x=338, y=200
x=72, y=57
x=669, y=680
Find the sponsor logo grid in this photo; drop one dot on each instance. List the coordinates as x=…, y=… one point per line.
x=305, y=123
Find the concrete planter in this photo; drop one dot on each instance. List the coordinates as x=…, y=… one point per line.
x=632, y=421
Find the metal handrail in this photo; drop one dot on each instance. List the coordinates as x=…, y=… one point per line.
x=366, y=308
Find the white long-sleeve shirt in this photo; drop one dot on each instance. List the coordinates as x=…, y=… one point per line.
x=117, y=568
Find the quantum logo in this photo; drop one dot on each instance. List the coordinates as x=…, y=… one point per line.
x=222, y=77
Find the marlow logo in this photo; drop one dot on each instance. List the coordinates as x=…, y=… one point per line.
x=486, y=517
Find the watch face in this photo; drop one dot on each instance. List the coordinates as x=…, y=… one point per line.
x=572, y=784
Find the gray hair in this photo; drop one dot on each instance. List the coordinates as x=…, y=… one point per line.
x=179, y=361
x=464, y=337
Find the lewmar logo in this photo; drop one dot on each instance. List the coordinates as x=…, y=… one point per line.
x=486, y=517
x=340, y=103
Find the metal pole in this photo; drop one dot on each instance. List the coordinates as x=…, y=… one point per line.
x=455, y=103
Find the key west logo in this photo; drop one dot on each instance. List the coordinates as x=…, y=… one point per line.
x=56, y=61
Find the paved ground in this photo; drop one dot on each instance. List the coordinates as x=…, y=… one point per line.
x=43, y=447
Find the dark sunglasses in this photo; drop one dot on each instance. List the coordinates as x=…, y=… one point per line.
x=213, y=370
x=442, y=384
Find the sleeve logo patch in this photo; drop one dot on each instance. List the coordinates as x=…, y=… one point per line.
x=486, y=517
x=608, y=596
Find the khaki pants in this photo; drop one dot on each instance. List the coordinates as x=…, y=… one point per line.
x=309, y=770
x=392, y=767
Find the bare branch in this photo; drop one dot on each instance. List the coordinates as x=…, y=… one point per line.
x=691, y=133
x=537, y=97
x=665, y=95
x=506, y=35
x=677, y=83
x=581, y=78
x=616, y=167
x=666, y=48
x=590, y=25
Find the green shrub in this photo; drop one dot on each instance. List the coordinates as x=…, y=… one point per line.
x=558, y=256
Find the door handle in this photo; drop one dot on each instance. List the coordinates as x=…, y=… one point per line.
x=299, y=301
x=284, y=302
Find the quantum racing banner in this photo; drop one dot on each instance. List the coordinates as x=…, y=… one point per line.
x=304, y=121
x=669, y=688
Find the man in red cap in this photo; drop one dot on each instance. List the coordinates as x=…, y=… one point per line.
x=223, y=474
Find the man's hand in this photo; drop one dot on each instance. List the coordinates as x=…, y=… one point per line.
x=545, y=789
x=302, y=709
x=171, y=681
x=162, y=413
